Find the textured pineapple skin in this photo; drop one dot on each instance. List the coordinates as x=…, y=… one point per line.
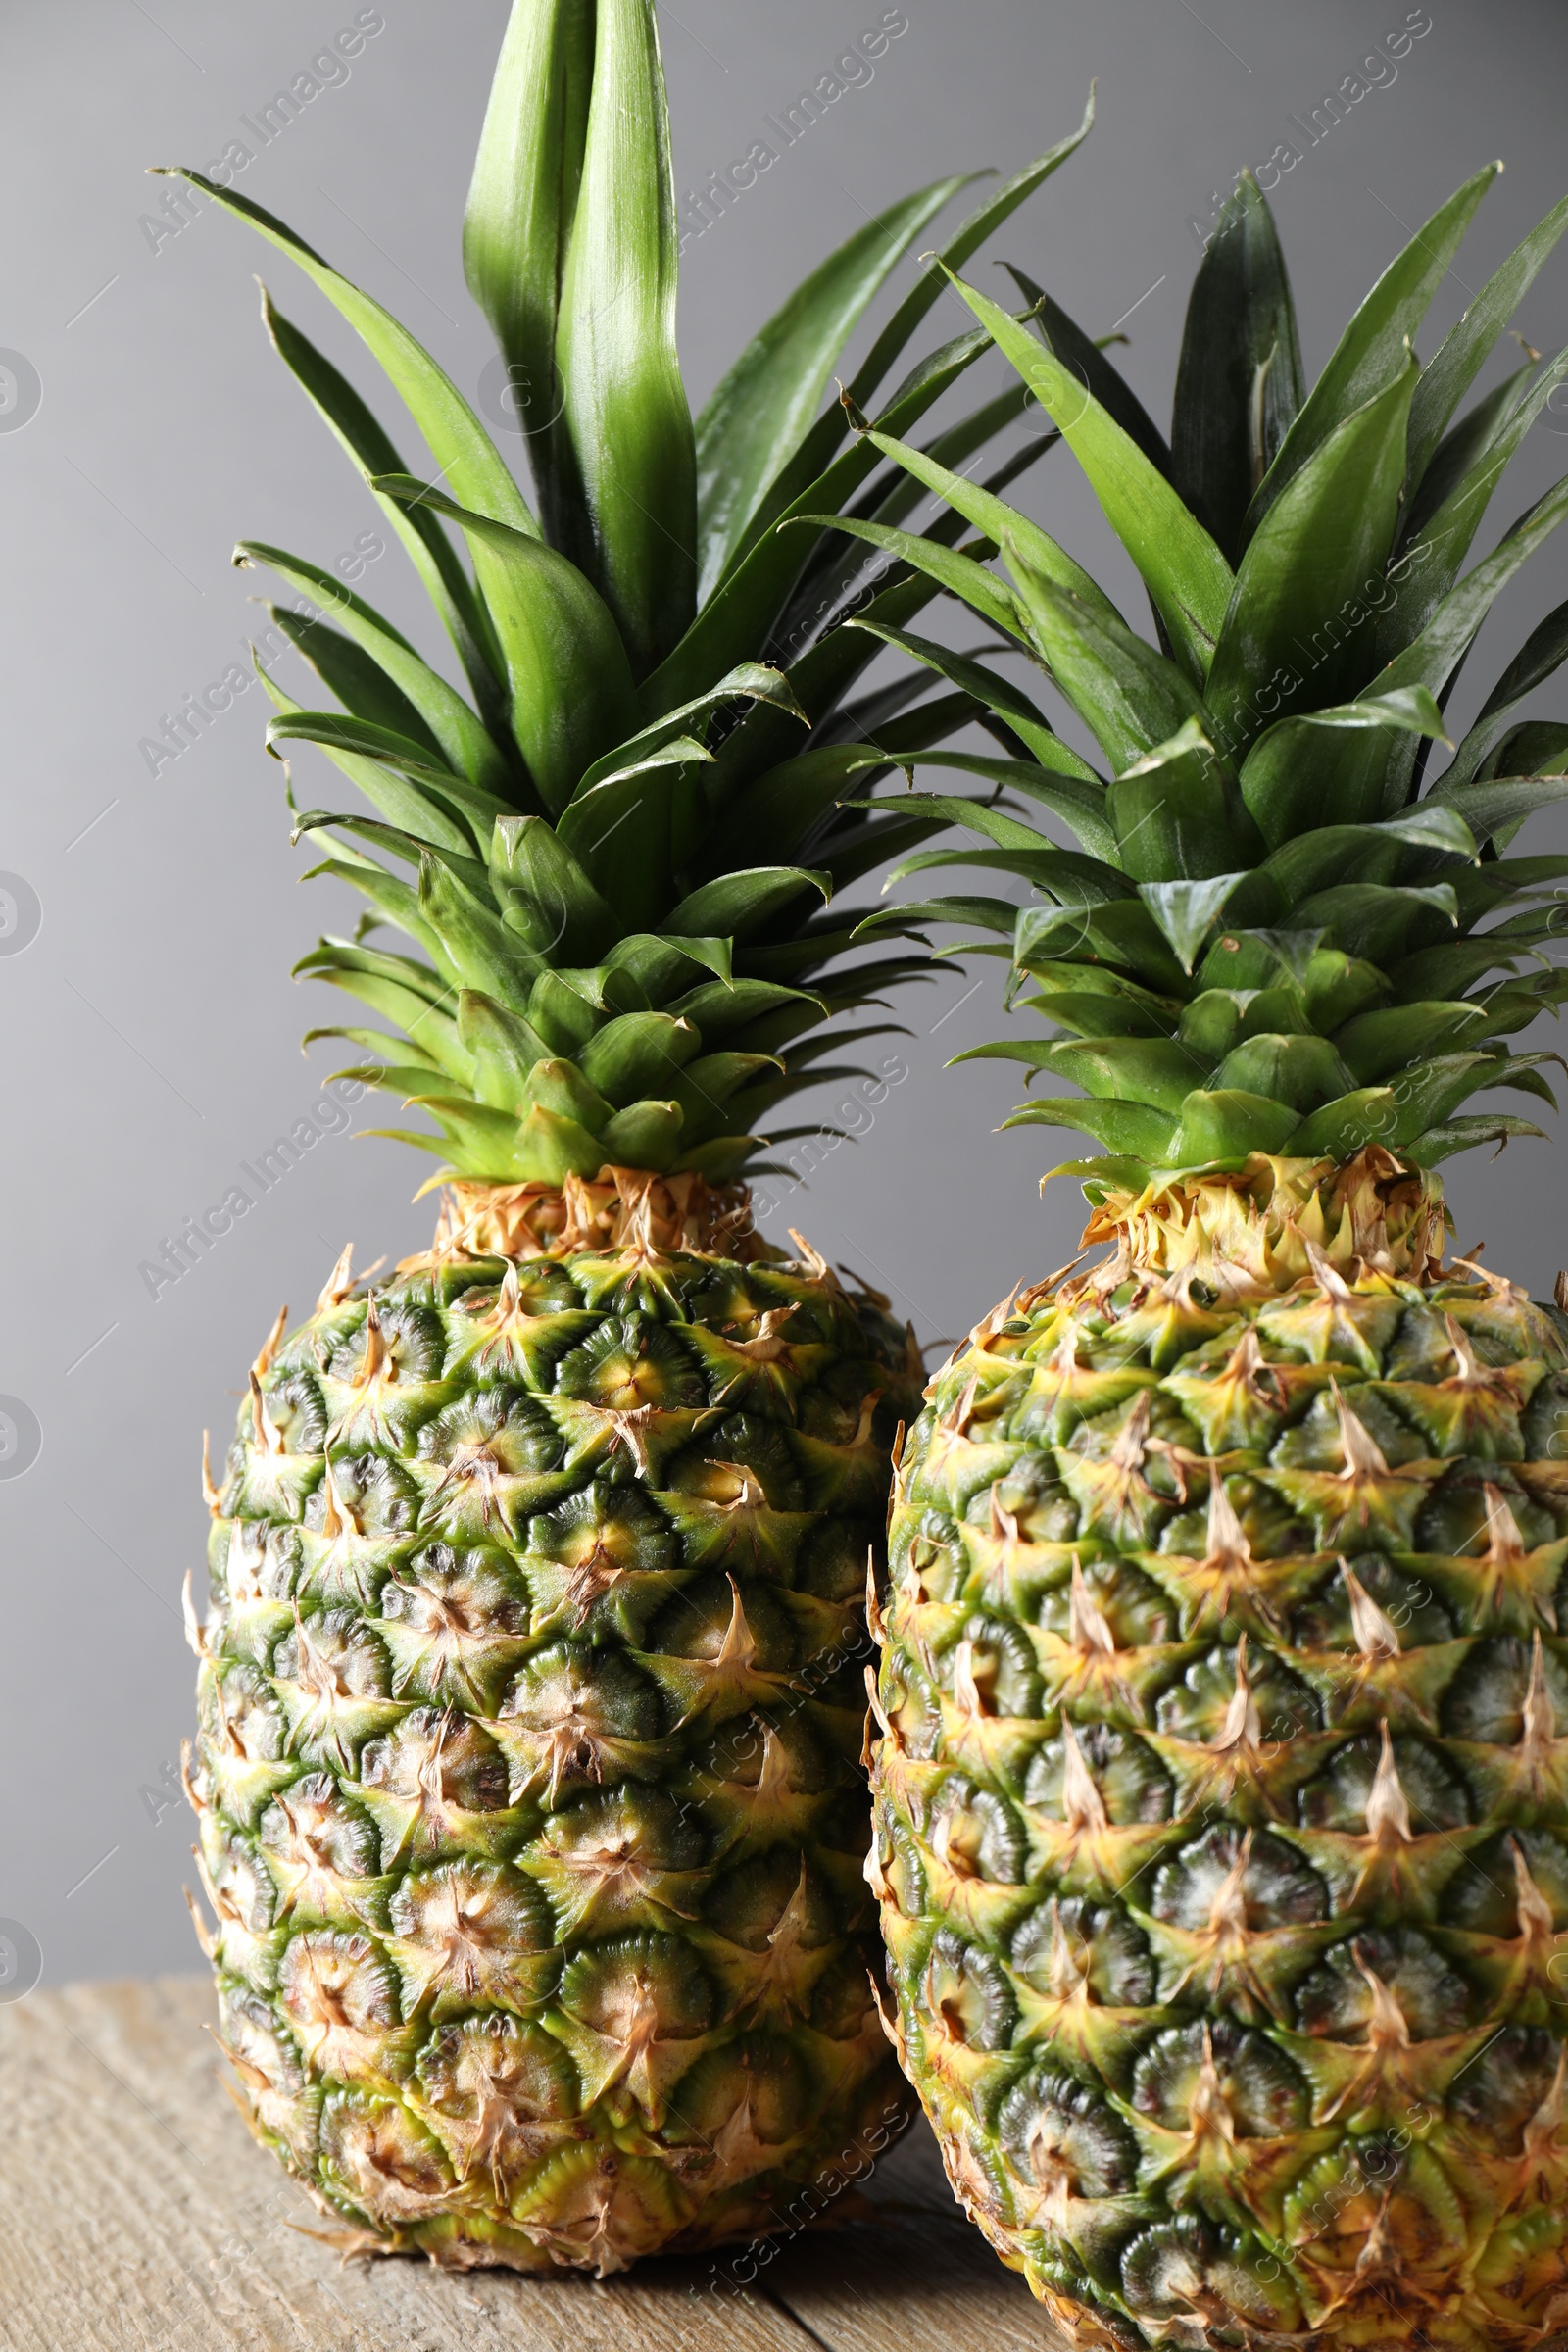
x=531, y=1709
x=1223, y=1853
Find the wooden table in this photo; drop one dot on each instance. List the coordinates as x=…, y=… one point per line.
x=136, y=2212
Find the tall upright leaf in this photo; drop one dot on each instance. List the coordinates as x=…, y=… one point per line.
x=1371, y=348
x=1239, y=381
x=519, y=219
x=1182, y=568
x=626, y=405
x=1320, y=548
x=1445, y=382
x=757, y=415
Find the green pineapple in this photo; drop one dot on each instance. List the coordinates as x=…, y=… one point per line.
x=1222, y=1787
x=527, y=1772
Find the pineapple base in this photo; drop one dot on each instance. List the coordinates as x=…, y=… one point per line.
x=1221, y=1799
x=530, y=1715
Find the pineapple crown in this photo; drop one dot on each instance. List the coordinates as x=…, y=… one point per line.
x=1276, y=936
x=622, y=835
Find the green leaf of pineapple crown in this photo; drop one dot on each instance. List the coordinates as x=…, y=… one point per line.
x=615, y=846
x=1270, y=937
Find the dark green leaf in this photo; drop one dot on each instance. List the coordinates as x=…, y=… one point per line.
x=432, y=552
x=1128, y=696
x=1542, y=653
x=1316, y=554
x=758, y=416
x=1238, y=383
x=1371, y=350
x=1445, y=383
x=1179, y=564
x=1330, y=766
x=736, y=904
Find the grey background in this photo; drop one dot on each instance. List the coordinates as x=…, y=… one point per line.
x=150, y=1028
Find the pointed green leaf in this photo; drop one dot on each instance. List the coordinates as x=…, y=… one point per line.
x=483, y=953
x=1123, y=1126
x=1432, y=659
x=1238, y=383
x=1460, y=450
x=566, y=919
x=1500, y=802
x=1330, y=766
x=741, y=613
x=1176, y=813
x=344, y=739
x=999, y=521
x=464, y=740
x=357, y=750
x=759, y=414
x=637, y=1055
x=464, y=451
x=1371, y=349
x=572, y=690
x=736, y=904
x=960, y=575
x=504, y=1050
x=1298, y=600
x=1437, y=552
x=1542, y=653
x=1445, y=382
x=1094, y=371
x=748, y=681
x=1228, y=1123
x=549, y=1148
x=430, y=551
x=519, y=220
x=1185, y=912
x=1081, y=803
x=981, y=223
x=1129, y=697
x=772, y=817
x=360, y=685
x=1182, y=568
x=560, y=1086
x=626, y=405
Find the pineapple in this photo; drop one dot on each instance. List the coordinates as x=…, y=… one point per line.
x=1221, y=1793
x=531, y=1816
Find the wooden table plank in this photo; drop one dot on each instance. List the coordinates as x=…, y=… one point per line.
x=137, y=2216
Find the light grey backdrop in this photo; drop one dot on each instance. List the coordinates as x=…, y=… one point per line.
x=151, y=1027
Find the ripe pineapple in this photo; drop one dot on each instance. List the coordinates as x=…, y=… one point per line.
x=1221, y=1795
x=528, y=1769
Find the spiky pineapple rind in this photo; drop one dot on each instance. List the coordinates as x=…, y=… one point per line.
x=527, y=1770
x=1223, y=1801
